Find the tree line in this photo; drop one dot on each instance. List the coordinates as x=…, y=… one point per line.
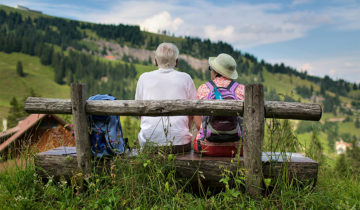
x=37, y=36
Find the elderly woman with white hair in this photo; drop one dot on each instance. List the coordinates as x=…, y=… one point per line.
x=166, y=83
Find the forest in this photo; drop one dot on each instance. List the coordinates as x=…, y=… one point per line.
x=39, y=36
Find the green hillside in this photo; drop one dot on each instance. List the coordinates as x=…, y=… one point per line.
x=24, y=13
x=37, y=76
x=56, y=52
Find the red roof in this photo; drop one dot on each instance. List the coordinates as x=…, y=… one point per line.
x=9, y=132
x=110, y=57
x=25, y=125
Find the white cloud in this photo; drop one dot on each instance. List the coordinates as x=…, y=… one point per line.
x=345, y=18
x=253, y=24
x=242, y=24
x=226, y=33
x=332, y=72
x=161, y=21
x=306, y=67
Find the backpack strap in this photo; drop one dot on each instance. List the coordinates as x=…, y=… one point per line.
x=232, y=86
x=199, y=145
x=211, y=85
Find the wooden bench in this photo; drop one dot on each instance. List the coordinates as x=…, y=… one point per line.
x=62, y=162
x=254, y=110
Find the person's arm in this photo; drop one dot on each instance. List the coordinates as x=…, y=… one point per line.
x=191, y=119
x=138, y=92
x=191, y=95
x=201, y=94
x=197, y=120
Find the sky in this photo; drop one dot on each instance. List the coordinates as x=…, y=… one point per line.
x=321, y=37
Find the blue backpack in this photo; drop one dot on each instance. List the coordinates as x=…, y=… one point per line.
x=106, y=135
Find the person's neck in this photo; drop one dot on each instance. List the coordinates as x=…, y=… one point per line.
x=166, y=68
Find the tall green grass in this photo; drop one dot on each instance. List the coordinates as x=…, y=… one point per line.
x=146, y=183
x=149, y=182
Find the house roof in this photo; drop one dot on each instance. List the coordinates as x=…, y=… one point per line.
x=110, y=57
x=342, y=143
x=25, y=125
x=9, y=132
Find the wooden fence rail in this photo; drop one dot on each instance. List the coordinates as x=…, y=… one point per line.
x=254, y=109
x=273, y=109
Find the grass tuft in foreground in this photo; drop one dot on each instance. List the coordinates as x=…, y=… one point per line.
x=151, y=184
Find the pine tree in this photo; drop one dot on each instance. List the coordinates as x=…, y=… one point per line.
x=69, y=77
x=19, y=69
x=14, y=113
x=355, y=86
x=132, y=71
x=357, y=123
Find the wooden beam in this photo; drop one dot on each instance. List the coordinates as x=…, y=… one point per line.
x=292, y=110
x=62, y=162
x=273, y=109
x=83, y=146
x=253, y=137
x=48, y=105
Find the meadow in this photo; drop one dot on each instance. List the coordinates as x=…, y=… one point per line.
x=150, y=182
x=152, y=185
x=37, y=77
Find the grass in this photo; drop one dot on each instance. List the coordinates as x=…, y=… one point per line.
x=38, y=77
x=151, y=184
x=285, y=85
x=23, y=13
x=304, y=139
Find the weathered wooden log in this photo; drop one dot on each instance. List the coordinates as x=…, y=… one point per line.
x=62, y=162
x=48, y=105
x=83, y=145
x=273, y=109
x=292, y=110
x=253, y=137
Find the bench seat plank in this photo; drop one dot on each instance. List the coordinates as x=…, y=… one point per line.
x=62, y=161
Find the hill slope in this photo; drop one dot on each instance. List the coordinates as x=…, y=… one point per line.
x=38, y=77
x=64, y=51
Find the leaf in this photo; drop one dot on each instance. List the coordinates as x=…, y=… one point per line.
x=267, y=182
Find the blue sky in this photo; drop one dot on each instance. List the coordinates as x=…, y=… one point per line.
x=319, y=36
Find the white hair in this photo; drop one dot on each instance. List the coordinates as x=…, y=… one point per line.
x=166, y=55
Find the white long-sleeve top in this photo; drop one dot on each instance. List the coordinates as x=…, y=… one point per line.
x=165, y=84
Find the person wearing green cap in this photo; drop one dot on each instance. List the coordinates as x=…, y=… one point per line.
x=223, y=73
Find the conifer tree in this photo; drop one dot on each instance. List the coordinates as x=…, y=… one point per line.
x=19, y=69
x=357, y=123
x=14, y=113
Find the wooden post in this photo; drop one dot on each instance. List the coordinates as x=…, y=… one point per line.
x=254, y=116
x=83, y=146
